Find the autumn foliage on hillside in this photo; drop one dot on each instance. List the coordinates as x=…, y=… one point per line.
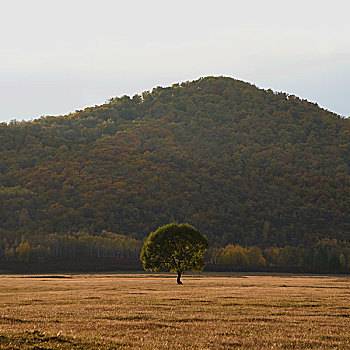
x=244, y=165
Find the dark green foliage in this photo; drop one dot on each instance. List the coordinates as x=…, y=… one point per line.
x=325, y=256
x=72, y=246
x=176, y=248
x=244, y=165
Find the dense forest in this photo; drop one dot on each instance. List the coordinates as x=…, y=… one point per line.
x=248, y=167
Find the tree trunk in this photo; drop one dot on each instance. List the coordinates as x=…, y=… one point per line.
x=178, y=278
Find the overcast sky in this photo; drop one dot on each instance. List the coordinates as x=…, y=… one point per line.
x=59, y=56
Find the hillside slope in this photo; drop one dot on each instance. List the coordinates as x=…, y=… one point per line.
x=242, y=164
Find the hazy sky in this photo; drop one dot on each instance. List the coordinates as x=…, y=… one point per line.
x=59, y=56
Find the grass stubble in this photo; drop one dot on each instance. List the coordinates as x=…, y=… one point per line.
x=132, y=311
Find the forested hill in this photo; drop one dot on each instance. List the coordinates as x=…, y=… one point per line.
x=242, y=164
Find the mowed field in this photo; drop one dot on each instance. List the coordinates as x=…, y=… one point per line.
x=210, y=311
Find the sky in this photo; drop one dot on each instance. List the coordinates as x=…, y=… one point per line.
x=60, y=56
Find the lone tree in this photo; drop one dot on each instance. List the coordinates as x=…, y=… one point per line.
x=176, y=248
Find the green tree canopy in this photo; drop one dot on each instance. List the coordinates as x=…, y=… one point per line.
x=176, y=248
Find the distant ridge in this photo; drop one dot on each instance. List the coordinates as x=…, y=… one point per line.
x=242, y=164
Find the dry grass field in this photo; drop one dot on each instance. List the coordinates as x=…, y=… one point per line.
x=141, y=311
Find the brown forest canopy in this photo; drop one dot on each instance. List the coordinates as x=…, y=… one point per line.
x=243, y=165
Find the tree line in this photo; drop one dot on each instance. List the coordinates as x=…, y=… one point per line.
x=326, y=255
x=73, y=246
